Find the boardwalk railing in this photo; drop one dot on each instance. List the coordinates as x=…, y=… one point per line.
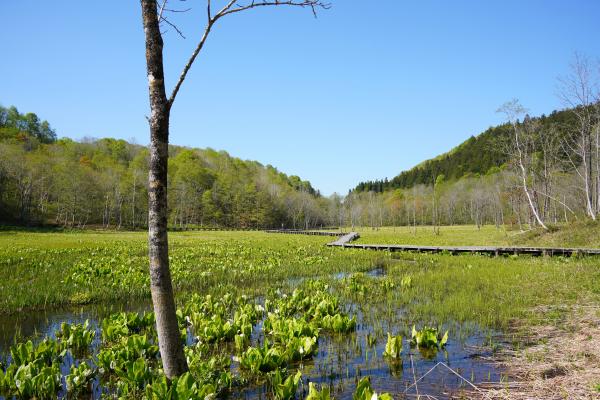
x=345, y=239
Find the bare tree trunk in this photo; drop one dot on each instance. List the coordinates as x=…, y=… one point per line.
x=171, y=347
x=523, y=173
x=133, y=202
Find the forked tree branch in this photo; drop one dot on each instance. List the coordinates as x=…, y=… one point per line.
x=234, y=6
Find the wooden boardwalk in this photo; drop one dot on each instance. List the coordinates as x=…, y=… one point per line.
x=303, y=232
x=345, y=239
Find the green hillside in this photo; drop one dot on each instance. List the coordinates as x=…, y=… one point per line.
x=44, y=179
x=477, y=155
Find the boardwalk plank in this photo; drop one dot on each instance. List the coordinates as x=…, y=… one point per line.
x=344, y=240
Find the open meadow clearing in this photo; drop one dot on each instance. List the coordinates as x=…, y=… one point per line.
x=271, y=315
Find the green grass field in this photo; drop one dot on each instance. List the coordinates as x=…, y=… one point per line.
x=461, y=235
x=364, y=294
x=584, y=234
x=44, y=270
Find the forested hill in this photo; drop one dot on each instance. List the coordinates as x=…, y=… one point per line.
x=477, y=155
x=104, y=182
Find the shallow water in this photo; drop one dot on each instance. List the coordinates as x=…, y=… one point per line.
x=340, y=362
x=343, y=359
x=38, y=324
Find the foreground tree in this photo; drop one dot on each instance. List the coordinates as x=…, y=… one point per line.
x=161, y=287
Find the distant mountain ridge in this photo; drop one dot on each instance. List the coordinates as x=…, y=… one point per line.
x=479, y=154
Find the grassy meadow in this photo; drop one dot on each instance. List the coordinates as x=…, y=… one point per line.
x=45, y=269
x=577, y=234
x=248, y=300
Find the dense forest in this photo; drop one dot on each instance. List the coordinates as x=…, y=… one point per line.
x=530, y=171
x=477, y=155
x=103, y=182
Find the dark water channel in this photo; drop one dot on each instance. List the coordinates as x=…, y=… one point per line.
x=340, y=362
x=39, y=324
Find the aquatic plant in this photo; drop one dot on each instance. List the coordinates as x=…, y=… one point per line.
x=282, y=329
x=393, y=347
x=76, y=337
x=284, y=389
x=370, y=339
x=184, y=387
x=364, y=391
x=262, y=359
x=315, y=394
x=406, y=281
x=79, y=378
x=428, y=338
x=338, y=323
x=120, y=357
x=122, y=324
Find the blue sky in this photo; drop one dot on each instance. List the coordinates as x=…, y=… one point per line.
x=368, y=89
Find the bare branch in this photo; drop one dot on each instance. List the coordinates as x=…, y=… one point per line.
x=177, y=11
x=312, y=4
x=162, y=9
x=173, y=26
x=230, y=8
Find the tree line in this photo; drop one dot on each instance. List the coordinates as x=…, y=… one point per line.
x=526, y=172
x=103, y=182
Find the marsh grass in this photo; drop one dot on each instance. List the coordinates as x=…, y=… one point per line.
x=577, y=234
x=40, y=270
x=46, y=269
x=460, y=235
x=470, y=295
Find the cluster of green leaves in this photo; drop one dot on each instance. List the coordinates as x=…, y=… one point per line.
x=224, y=319
x=184, y=387
x=316, y=394
x=124, y=324
x=24, y=127
x=364, y=391
x=34, y=370
x=284, y=388
x=127, y=359
x=359, y=285
x=292, y=327
x=428, y=340
x=76, y=337
x=79, y=378
x=393, y=346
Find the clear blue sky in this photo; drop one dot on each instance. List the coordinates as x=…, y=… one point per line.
x=368, y=89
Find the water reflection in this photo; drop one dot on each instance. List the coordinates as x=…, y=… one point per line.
x=38, y=324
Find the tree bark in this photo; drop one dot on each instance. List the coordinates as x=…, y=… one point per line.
x=170, y=344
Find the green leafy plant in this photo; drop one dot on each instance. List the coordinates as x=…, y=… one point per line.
x=300, y=348
x=262, y=359
x=315, y=394
x=79, y=378
x=123, y=324
x=428, y=338
x=36, y=380
x=393, y=347
x=338, y=323
x=76, y=337
x=284, y=389
x=364, y=391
